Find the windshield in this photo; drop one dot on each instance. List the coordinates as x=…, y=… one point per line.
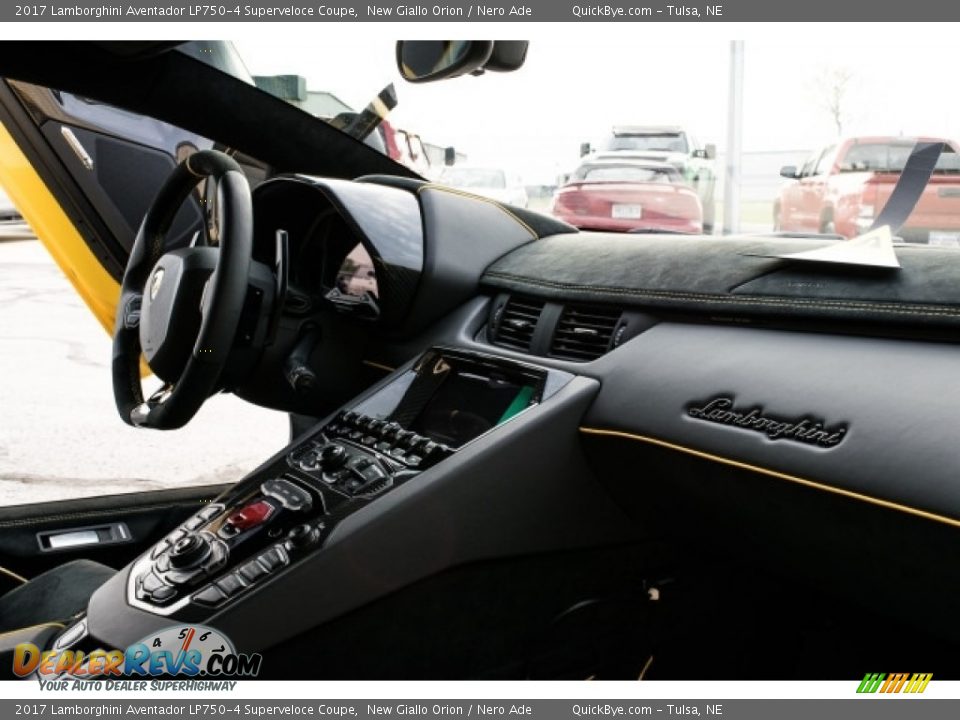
x=890, y=157
x=809, y=119
x=625, y=174
x=656, y=142
x=473, y=178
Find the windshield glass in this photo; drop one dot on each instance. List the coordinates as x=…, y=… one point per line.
x=473, y=178
x=625, y=173
x=656, y=142
x=890, y=157
x=809, y=119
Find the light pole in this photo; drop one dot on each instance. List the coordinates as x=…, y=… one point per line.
x=731, y=178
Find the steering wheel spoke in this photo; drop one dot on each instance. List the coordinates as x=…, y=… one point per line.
x=130, y=311
x=211, y=210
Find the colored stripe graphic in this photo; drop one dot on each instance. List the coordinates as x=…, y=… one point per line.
x=894, y=683
x=870, y=682
x=919, y=682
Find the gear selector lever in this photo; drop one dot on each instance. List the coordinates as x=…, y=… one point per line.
x=190, y=551
x=333, y=456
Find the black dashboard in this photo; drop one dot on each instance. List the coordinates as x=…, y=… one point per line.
x=580, y=388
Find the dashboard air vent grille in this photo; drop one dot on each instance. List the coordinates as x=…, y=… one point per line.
x=584, y=332
x=517, y=323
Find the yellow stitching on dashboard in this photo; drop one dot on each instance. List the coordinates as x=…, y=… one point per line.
x=11, y=573
x=379, y=366
x=714, y=299
x=889, y=504
x=454, y=191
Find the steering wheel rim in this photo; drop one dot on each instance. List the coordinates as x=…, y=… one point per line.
x=220, y=307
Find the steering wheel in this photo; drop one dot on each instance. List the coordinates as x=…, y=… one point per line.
x=181, y=308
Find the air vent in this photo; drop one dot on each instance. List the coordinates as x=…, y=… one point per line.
x=584, y=332
x=517, y=322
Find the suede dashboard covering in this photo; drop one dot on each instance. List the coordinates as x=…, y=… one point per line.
x=722, y=279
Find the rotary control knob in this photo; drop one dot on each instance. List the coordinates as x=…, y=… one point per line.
x=190, y=551
x=301, y=536
x=333, y=456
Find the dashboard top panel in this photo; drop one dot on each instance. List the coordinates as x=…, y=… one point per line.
x=714, y=278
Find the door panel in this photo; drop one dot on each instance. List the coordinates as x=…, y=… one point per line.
x=58, y=232
x=146, y=516
x=121, y=178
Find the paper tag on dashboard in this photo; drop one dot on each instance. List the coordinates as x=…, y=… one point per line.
x=872, y=249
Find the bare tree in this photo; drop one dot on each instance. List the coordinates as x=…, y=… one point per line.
x=831, y=89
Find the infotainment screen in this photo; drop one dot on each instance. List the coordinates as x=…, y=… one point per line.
x=453, y=400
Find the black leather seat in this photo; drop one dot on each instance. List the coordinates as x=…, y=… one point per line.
x=53, y=596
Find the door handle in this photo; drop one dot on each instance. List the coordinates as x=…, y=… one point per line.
x=78, y=537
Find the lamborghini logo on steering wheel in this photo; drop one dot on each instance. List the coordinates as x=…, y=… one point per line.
x=155, y=283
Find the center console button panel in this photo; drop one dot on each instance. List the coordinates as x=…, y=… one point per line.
x=358, y=454
x=363, y=465
x=200, y=560
x=252, y=515
x=283, y=512
x=291, y=496
x=247, y=575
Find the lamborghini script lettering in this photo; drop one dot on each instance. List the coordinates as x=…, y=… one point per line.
x=721, y=410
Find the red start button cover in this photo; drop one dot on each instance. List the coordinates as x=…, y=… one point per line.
x=252, y=515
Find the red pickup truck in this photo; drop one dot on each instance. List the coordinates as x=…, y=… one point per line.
x=841, y=188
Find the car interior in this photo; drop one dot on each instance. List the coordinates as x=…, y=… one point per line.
x=518, y=450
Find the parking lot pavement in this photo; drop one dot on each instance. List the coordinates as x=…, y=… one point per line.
x=15, y=230
x=60, y=436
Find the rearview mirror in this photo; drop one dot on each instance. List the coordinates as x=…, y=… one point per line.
x=449, y=156
x=507, y=55
x=789, y=172
x=429, y=60
x=584, y=149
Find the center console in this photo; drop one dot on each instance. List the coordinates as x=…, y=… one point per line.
x=459, y=457
x=286, y=509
